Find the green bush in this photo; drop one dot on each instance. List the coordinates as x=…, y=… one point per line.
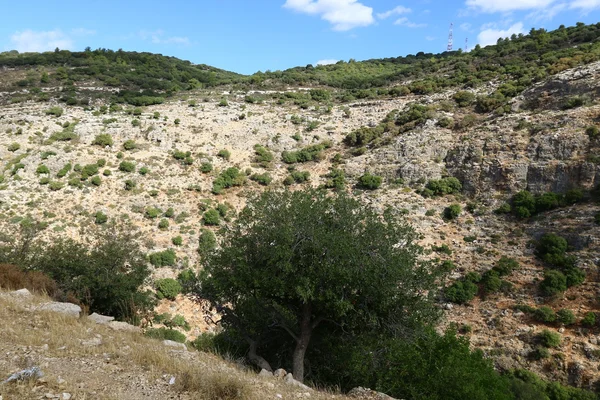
x=143, y=171
x=554, y=282
x=165, y=334
x=224, y=153
x=126, y=166
x=589, y=319
x=43, y=181
x=452, y=212
x=167, y=288
x=264, y=179
x=592, y=131
x=130, y=185
x=309, y=153
x=370, y=182
x=177, y=240
x=565, y=317
x=207, y=242
x=263, y=156
x=129, y=145
x=444, y=186
x=206, y=167
x=335, y=179
x=100, y=218
x=165, y=258
x=545, y=314
x=506, y=265
x=103, y=140
x=170, y=213
x=101, y=162
x=296, y=177
x=464, y=99
x=13, y=147
x=229, y=178
x=211, y=217
x=152, y=212
x=549, y=339
x=55, y=111
x=42, y=169
x=461, y=292
x=163, y=224
x=56, y=185
x=89, y=170
x=64, y=171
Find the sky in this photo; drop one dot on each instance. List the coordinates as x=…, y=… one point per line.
x=247, y=36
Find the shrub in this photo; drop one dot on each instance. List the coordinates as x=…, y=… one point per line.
x=491, y=282
x=153, y=212
x=177, y=240
x=207, y=242
x=44, y=181
x=130, y=185
x=13, y=147
x=592, y=132
x=100, y=218
x=56, y=185
x=296, y=177
x=554, y=282
x=262, y=179
x=163, y=224
x=211, y=217
x=370, y=182
x=523, y=204
x=539, y=353
x=452, y=212
x=544, y=314
x=229, y=178
x=170, y=213
x=223, y=103
x=126, y=166
x=335, y=179
x=506, y=265
x=129, y=145
x=589, y=319
x=42, y=169
x=64, y=170
x=461, y=292
x=165, y=258
x=263, y=156
x=177, y=121
x=224, y=153
x=101, y=162
x=548, y=338
x=503, y=209
x=441, y=187
x=565, y=317
x=309, y=153
x=206, y=167
x=165, y=334
x=143, y=171
x=89, y=170
x=167, y=288
x=464, y=99
x=55, y=111
x=103, y=140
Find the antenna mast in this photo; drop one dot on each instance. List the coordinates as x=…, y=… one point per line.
x=450, y=39
x=466, y=44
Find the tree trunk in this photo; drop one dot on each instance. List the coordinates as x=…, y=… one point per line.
x=255, y=358
x=302, y=344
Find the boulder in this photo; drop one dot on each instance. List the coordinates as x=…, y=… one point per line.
x=174, y=344
x=368, y=394
x=280, y=373
x=123, y=326
x=265, y=373
x=289, y=379
x=68, y=309
x=100, y=319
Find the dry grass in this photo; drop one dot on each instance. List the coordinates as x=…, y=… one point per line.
x=123, y=365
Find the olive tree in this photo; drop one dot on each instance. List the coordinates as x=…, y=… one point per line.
x=294, y=262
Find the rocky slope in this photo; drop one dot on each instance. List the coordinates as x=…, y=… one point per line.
x=539, y=146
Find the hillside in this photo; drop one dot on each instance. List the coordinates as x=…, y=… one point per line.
x=170, y=169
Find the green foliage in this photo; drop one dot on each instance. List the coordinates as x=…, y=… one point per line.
x=224, y=153
x=126, y=166
x=296, y=177
x=335, y=179
x=309, y=153
x=589, y=319
x=67, y=134
x=370, y=182
x=177, y=240
x=206, y=167
x=100, y=218
x=554, y=282
x=464, y=99
x=229, y=178
x=143, y=171
x=565, y=317
x=461, y=292
x=264, y=179
x=56, y=185
x=549, y=338
x=165, y=334
x=452, y=212
x=207, y=242
x=13, y=147
x=103, y=140
x=55, y=111
x=165, y=258
x=89, y=170
x=592, y=131
x=129, y=144
x=130, y=185
x=188, y=279
x=64, y=170
x=167, y=288
x=263, y=156
x=506, y=265
x=163, y=224
x=441, y=187
x=153, y=212
x=545, y=314
x=211, y=217
x=42, y=169
x=292, y=256
x=223, y=103
x=170, y=213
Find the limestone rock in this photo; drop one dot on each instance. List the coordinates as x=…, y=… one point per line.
x=265, y=373
x=280, y=373
x=368, y=394
x=123, y=326
x=289, y=379
x=68, y=309
x=174, y=344
x=100, y=319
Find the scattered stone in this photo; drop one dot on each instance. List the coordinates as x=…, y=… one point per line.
x=172, y=380
x=123, y=326
x=280, y=373
x=68, y=309
x=265, y=373
x=26, y=374
x=100, y=319
x=66, y=396
x=172, y=343
x=97, y=341
x=289, y=379
x=368, y=394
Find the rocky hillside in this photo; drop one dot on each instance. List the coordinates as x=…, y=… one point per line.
x=160, y=168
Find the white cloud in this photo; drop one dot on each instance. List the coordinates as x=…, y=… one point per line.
x=546, y=14
x=490, y=36
x=342, y=14
x=405, y=22
x=465, y=27
x=327, y=62
x=492, y=6
x=158, y=37
x=429, y=38
x=32, y=41
x=586, y=5
x=395, y=11
x=83, y=32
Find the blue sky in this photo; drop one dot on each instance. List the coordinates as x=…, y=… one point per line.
x=250, y=35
